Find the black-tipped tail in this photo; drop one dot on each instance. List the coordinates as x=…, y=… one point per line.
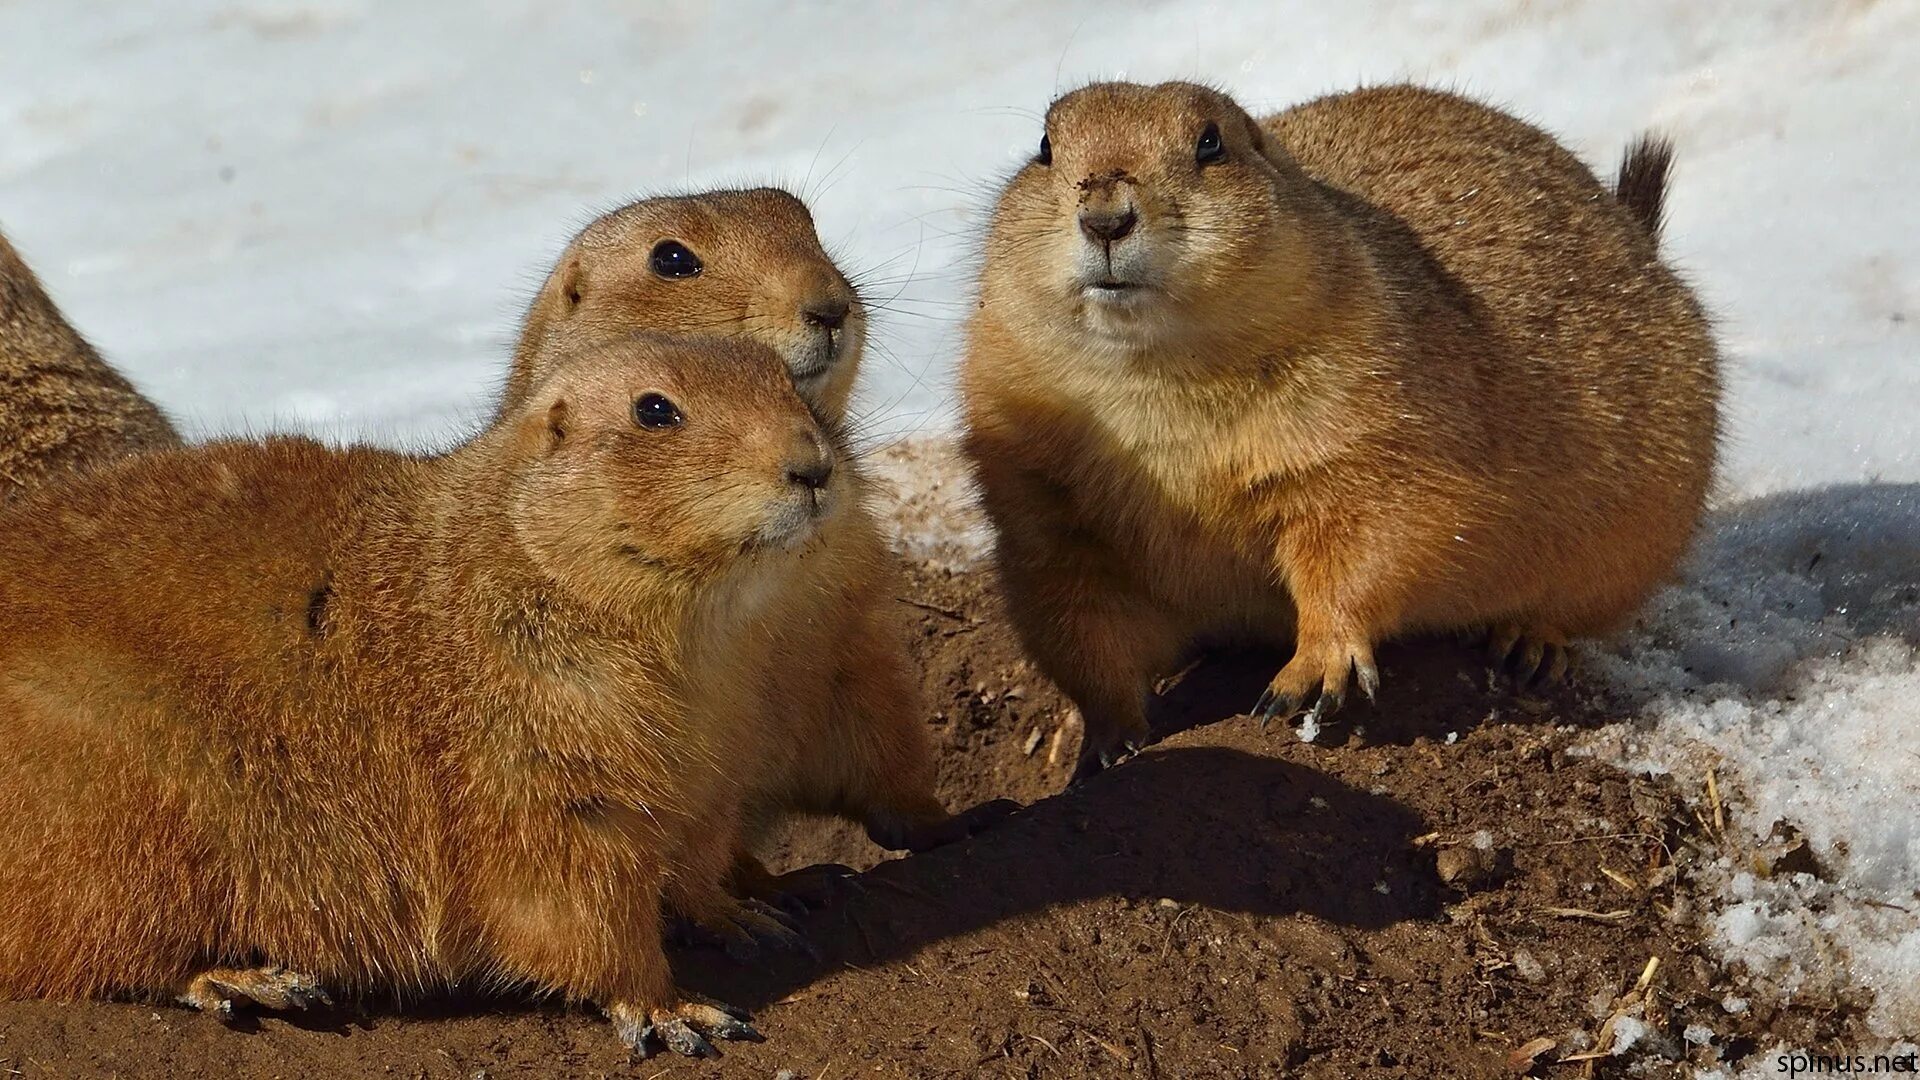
x=1642, y=185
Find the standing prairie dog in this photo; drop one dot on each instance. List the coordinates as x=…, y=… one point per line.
x=278, y=720
x=1390, y=361
x=750, y=264
x=62, y=408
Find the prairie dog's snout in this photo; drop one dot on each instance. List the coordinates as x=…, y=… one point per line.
x=826, y=312
x=810, y=463
x=826, y=306
x=1108, y=212
x=1113, y=256
x=804, y=498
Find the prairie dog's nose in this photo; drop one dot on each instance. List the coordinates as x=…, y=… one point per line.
x=1105, y=225
x=827, y=312
x=811, y=463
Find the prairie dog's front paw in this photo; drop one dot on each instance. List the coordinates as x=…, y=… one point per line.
x=1326, y=670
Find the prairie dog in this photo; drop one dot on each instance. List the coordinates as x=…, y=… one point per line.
x=749, y=264
x=1389, y=361
x=745, y=263
x=279, y=720
x=62, y=407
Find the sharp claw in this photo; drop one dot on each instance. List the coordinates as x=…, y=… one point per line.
x=1274, y=706
x=1369, y=679
x=1328, y=703
x=634, y=1033
x=736, y=1029
x=763, y=908
x=682, y=1039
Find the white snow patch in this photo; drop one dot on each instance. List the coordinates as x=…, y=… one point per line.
x=1309, y=729
x=1627, y=1033
x=1787, y=661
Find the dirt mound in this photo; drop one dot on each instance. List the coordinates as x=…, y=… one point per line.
x=1432, y=897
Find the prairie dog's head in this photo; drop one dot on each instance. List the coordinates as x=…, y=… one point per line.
x=745, y=263
x=651, y=458
x=1148, y=214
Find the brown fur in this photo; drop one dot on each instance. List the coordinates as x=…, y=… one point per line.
x=1398, y=362
x=62, y=408
x=853, y=738
x=399, y=723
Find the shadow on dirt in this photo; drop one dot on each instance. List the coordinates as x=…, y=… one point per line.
x=1228, y=830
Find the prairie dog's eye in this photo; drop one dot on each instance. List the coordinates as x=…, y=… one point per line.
x=673, y=259
x=654, y=412
x=1045, y=156
x=1209, y=149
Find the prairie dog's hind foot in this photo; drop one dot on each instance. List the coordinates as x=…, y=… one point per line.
x=896, y=832
x=743, y=927
x=796, y=892
x=1102, y=746
x=1533, y=654
x=1327, y=671
x=685, y=1027
x=217, y=990
x=1097, y=756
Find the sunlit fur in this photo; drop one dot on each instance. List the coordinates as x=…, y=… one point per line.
x=1399, y=362
x=852, y=733
x=763, y=268
x=62, y=408
x=402, y=722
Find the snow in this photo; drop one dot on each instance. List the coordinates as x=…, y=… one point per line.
x=326, y=216
x=1627, y=1033
x=1787, y=660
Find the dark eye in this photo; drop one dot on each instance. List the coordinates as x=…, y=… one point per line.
x=1045, y=156
x=673, y=259
x=654, y=411
x=1209, y=149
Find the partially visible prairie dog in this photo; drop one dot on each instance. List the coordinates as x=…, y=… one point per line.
x=62, y=408
x=278, y=720
x=718, y=262
x=1390, y=361
x=853, y=739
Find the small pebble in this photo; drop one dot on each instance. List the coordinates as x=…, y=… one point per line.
x=1464, y=867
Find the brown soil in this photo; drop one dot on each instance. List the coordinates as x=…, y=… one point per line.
x=1231, y=903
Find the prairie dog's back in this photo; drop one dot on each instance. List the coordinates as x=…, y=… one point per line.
x=263, y=521
x=61, y=406
x=1503, y=209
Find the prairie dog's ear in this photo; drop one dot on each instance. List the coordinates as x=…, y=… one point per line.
x=567, y=283
x=559, y=421
x=1257, y=138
